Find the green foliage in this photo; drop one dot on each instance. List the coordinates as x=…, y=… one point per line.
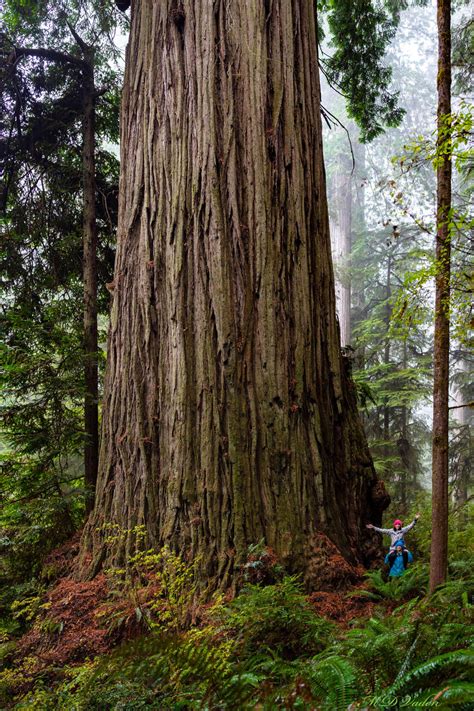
x=268, y=649
x=14, y=595
x=391, y=651
x=361, y=75
x=27, y=608
x=39, y=478
x=451, y=138
x=392, y=372
x=333, y=681
x=41, y=416
x=158, y=589
x=224, y=664
x=455, y=666
x=41, y=380
x=392, y=364
x=413, y=582
x=378, y=648
x=278, y=616
x=177, y=584
x=154, y=671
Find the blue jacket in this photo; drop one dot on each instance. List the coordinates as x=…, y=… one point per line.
x=398, y=568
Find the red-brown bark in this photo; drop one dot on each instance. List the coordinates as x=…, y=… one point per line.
x=228, y=416
x=439, y=539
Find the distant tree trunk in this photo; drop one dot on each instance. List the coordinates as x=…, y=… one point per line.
x=386, y=358
x=228, y=416
x=91, y=445
x=462, y=414
x=86, y=66
x=359, y=227
x=341, y=225
x=439, y=537
x=404, y=446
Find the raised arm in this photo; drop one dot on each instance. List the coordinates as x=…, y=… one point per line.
x=410, y=525
x=387, y=531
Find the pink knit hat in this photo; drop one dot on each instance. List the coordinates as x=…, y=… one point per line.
x=397, y=522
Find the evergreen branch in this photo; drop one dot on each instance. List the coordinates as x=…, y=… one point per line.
x=331, y=82
x=466, y=404
x=84, y=47
x=40, y=492
x=325, y=110
x=52, y=55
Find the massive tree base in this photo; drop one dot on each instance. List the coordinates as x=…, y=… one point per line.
x=328, y=556
x=227, y=417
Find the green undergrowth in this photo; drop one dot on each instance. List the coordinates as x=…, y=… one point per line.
x=268, y=649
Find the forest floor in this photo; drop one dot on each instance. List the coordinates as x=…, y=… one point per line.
x=103, y=644
x=74, y=622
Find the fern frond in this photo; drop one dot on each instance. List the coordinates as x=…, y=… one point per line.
x=454, y=591
x=365, y=594
x=457, y=692
x=462, y=659
x=451, y=694
x=334, y=680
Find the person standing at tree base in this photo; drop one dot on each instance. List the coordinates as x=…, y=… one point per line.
x=396, y=533
x=398, y=561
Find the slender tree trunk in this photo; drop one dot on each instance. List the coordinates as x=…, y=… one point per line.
x=359, y=228
x=463, y=417
x=91, y=430
x=228, y=416
x=91, y=445
x=341, y=225
x=404, y=470
x=404, y=445
x=386, y=358
x=439, y=540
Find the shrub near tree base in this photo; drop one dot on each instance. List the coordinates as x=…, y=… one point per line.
x=279, y=616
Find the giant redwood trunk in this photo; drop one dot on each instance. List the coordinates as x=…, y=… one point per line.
x=227, y=417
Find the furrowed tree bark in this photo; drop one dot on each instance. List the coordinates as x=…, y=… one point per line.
x=439, y=539
x=91, y=426
x=228, y=416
